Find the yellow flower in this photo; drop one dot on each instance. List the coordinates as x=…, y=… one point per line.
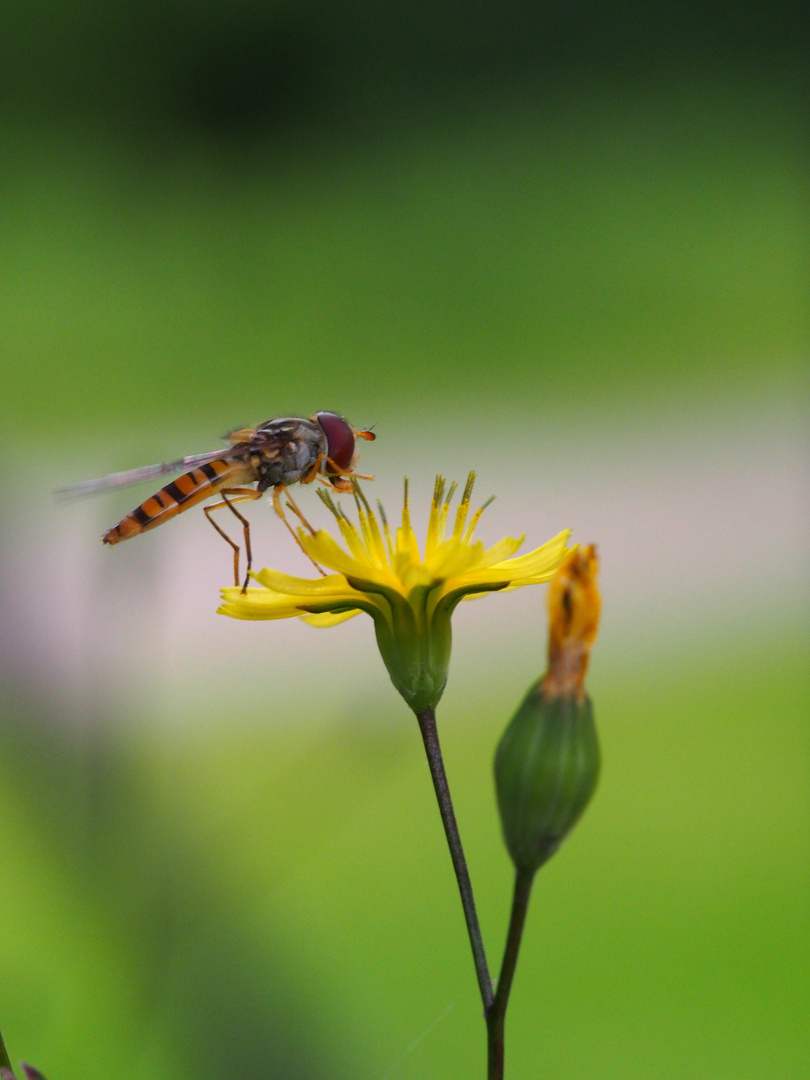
x=411, y=597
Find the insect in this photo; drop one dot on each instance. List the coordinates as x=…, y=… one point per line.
x=276, y=454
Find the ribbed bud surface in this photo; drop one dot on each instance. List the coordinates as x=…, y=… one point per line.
x=546, y=770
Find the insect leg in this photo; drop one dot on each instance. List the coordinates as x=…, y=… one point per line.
x=293, y=505
x=242, y=495
x=335, y=468
x=313, y=472
x=277, y=490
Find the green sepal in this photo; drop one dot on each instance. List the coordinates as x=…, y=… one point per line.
x=417, y=656
x=546, y=770
x=415, y=648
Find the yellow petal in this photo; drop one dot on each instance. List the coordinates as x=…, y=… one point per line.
x=406, y=544
x=538, y=561
x=353, y=539
x=326, y=619
x=259, y=604
x=503, y=550
x=294, y=586
x=453, y=558
x=324, y=549
x=534, y=568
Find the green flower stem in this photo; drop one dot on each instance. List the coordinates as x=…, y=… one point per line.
x=430, y=737
x=4, y=1061
x=496, y=1013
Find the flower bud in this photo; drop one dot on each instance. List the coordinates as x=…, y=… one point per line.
x=547, y=762
x=546, y=770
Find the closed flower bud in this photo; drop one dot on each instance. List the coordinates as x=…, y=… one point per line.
x=546, y=770
x=547, y=763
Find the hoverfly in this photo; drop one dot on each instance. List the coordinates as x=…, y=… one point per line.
x=276, y=454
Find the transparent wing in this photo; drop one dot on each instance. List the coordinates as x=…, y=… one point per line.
x=137, y=476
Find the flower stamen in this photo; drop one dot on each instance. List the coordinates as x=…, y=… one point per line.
x=371, y=528
x=463, y=507
x=434, y=521
x=406, y=540
x=389, y=540
x=476, y=518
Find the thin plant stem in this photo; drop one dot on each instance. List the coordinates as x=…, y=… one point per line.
x=430, y=737
x=496, y=1014
x=4, y=1061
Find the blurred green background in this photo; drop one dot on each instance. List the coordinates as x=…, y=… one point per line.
x=562, y=244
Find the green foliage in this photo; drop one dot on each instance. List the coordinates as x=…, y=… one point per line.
x=610, y=251
x=577, y=261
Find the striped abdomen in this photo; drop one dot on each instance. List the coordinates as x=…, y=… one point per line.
x=187, y=490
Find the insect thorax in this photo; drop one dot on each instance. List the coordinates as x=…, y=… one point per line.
x=285, y=451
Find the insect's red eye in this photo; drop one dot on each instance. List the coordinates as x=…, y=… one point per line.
x=339, y=438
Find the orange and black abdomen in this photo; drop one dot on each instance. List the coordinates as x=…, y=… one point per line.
x=187, y=490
